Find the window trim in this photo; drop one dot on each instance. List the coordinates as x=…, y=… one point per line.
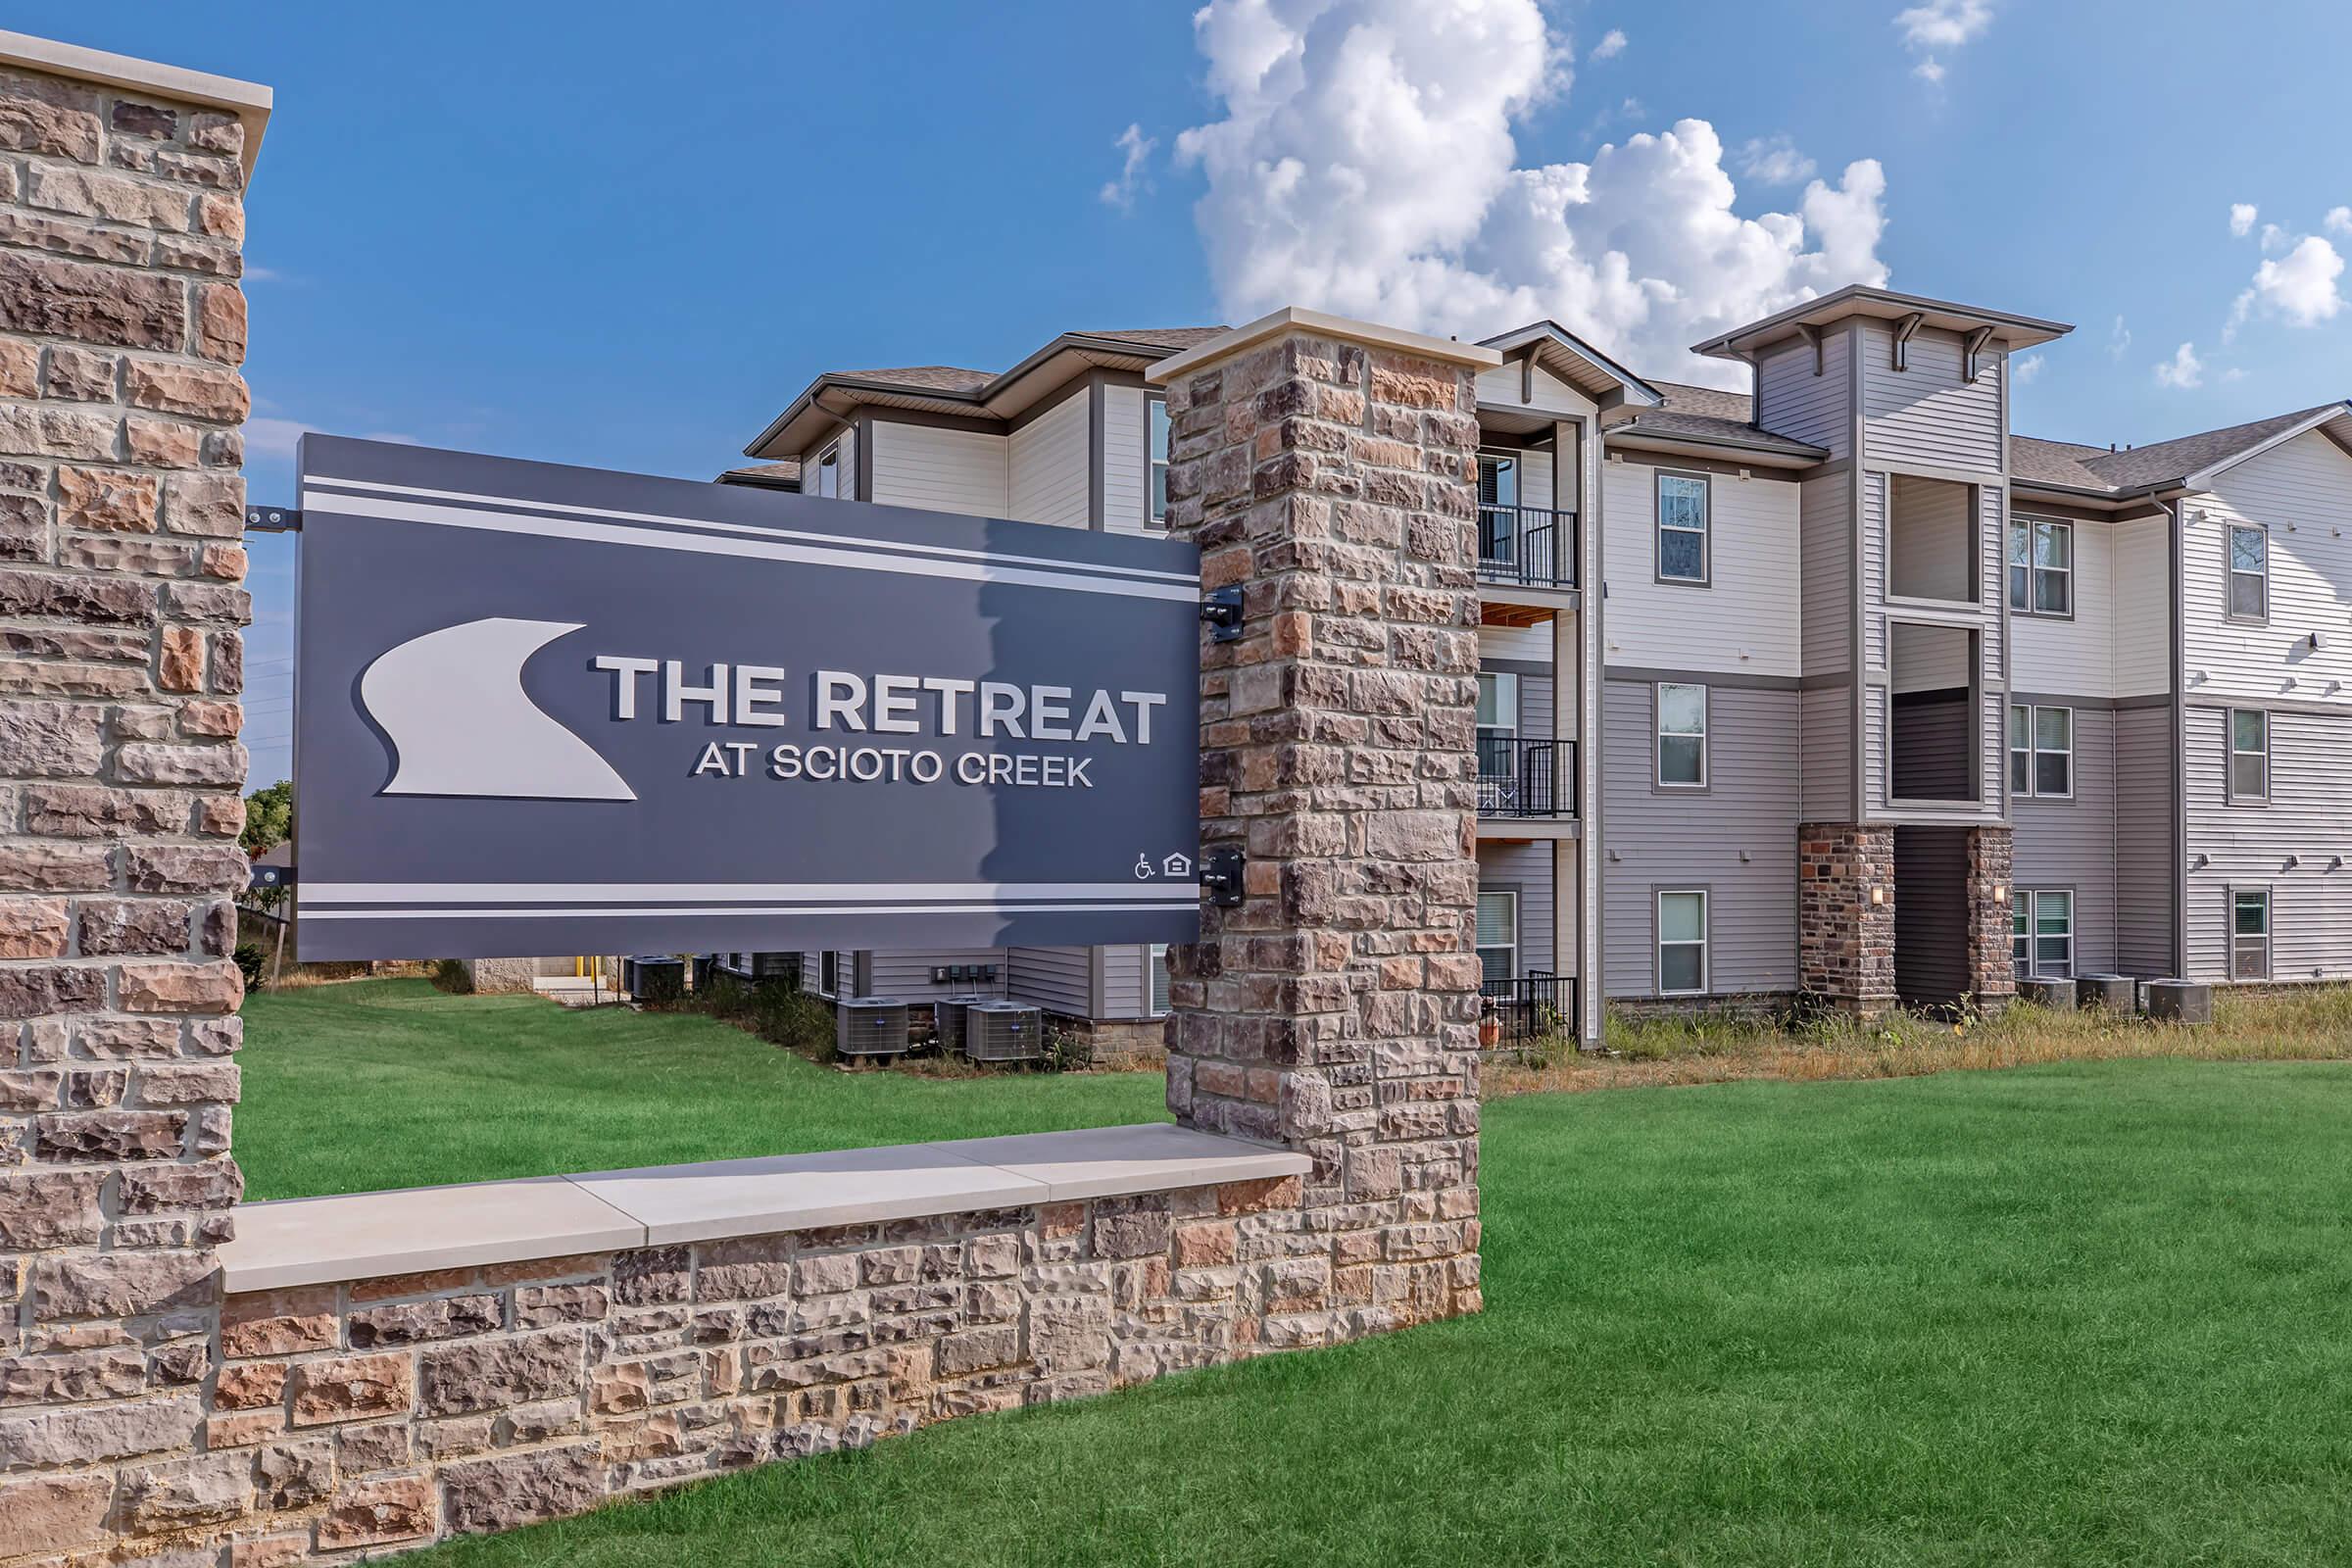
x=2231, y=793
x=2269, y=933
x=2070, y=570
x=1156, y=954
x=828, y=456
x=1659, y=784
x=2032, y=751
x=1658, y=530
x=1978, y=738
x=1498, y=676
x=1706, y=894
x=2229, y=572
x=828, y=957
x=2074, y=931
x=1518, y=945
x=1158, y=524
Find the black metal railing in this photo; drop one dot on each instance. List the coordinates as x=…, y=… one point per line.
x=1526, y=545
x=1526, y=778
x=1535, y=1006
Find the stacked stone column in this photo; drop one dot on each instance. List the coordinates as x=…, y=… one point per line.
x=121, y=327
x=1991, y=965
x=1330, y=472
x=1846, y=942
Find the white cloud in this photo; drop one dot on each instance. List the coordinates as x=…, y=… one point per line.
x=1775, y=161
x=2024, y=373
x=1136, y=148
x=1611, y=45
x=2273, y=239
x=2298, y=289
x=2234, y=373
x=2119, y=340
x=1942, y=25
x=1365, y=163
x=2184, y=369
x=2241, y=218
x=2339, y=221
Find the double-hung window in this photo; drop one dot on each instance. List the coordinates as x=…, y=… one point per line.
x=828, y=974
x=2041, y=752
x=2250, y=934
x=2249, y=757
x=1155, y=448
x=2249, y=572
x=828, y=473
x=1498, y=934
x=1683, y=527
x=1157, y=973
x=2041, y=933
x=1683, y=943
x=2042, y=567
x=1682, y=736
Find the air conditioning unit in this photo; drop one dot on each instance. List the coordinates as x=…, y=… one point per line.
x=948, y=1013
x=869, y=1028
x=1002, y=1031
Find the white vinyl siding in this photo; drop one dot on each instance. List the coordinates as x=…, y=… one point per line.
x=1048, y=462
x=1742, y=623
x=2298, y=492
x=1124, y=479
x=1500, y=385
x=2138, y=608
x=939, y=470
x=2077, y=654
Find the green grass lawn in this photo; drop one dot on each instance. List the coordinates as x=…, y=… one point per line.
x=389, y=1083
x=2090, y=1314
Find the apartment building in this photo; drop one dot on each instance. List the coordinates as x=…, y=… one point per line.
x=1834, y=687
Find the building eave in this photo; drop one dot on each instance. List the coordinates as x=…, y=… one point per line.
x=2011, y=332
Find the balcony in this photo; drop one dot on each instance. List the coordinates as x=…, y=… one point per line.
x=1526, y=547
x=1522, y=780
x=1537, y=1005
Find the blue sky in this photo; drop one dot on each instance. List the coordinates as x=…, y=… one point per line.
x=564, y=234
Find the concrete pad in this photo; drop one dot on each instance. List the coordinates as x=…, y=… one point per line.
x=357, y=1236
x=1111, y=1161
x=800, y=1191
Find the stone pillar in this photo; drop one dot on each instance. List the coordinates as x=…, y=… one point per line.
x=1992, y=971
x=121, y=327
x=1328, y=468
x=1845, y=943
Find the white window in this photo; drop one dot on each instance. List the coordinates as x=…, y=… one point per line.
x=2021, y=933
x=1498, y=934
x=1682, y=943
x=2053, y=934
x=2250, y=934
x=1682, y=736
x=1497, y=508
x=828, y=473
x=2041, y=752
x=2249, y=756
x=2042, y=568
x=1682, y=527
x=1159, y=974
x=1155, y=415
x=828, y=974
x=1497, y=702
x=2249, y=572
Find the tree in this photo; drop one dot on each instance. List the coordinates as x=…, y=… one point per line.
x=269, y=817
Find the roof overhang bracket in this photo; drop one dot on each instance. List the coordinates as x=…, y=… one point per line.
x=1812, y=335
x=1904, y=329
x=1971, y=347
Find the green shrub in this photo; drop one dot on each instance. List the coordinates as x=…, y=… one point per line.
x=249, y=964
x=1065, y=1050
x=450, y=975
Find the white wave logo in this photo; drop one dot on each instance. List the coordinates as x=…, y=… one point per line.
x=453, y=703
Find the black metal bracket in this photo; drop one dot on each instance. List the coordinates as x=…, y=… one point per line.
x=273, y=519
x=1221, y=607
x=267, y=878
x=1221, y=877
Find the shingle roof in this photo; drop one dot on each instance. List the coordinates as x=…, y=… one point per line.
x=2165, y=460
x=784, y=475
x=1713, y=401
x=1161, y=337
x=1710, y=415
x=2039, y=462
x=926, y=377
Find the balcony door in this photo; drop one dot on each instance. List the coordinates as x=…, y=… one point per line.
x=1498, y=742
x=1499, y=503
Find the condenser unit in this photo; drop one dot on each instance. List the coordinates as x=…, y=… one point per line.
x=870, y=1028
x=947, y=1014
x=1002, y=1031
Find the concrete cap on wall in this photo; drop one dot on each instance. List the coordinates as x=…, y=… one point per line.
x=1293, y=319
x=248, y=101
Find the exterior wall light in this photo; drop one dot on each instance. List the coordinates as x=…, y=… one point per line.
x=1878, y=894
x=2000, y=892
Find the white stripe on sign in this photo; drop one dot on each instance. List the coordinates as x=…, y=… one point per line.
x=553, y=507
x=316, y=893
x=1075, y=579
x=739, y=909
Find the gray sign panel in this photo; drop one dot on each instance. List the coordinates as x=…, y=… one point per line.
x=547, y=710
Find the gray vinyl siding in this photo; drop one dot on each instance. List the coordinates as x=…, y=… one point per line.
x=1931, y=915
x=2308, y=815
x=1693, y=840
x=1826, y=530
x=1826, y=728
x=1928, y=414
x=1794, y=402
x=907, y=973
x=2071, y=843
x=1986, y=621
x=1057, y=979
x=1527, y=870
x=1126, y=981
x=2143, y=840
x=1534, y=708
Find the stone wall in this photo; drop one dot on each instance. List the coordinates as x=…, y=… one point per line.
x=1333, y=478
x=387, y=1413
x=1992, y=967
x=1845, y=943
x=121, y=327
